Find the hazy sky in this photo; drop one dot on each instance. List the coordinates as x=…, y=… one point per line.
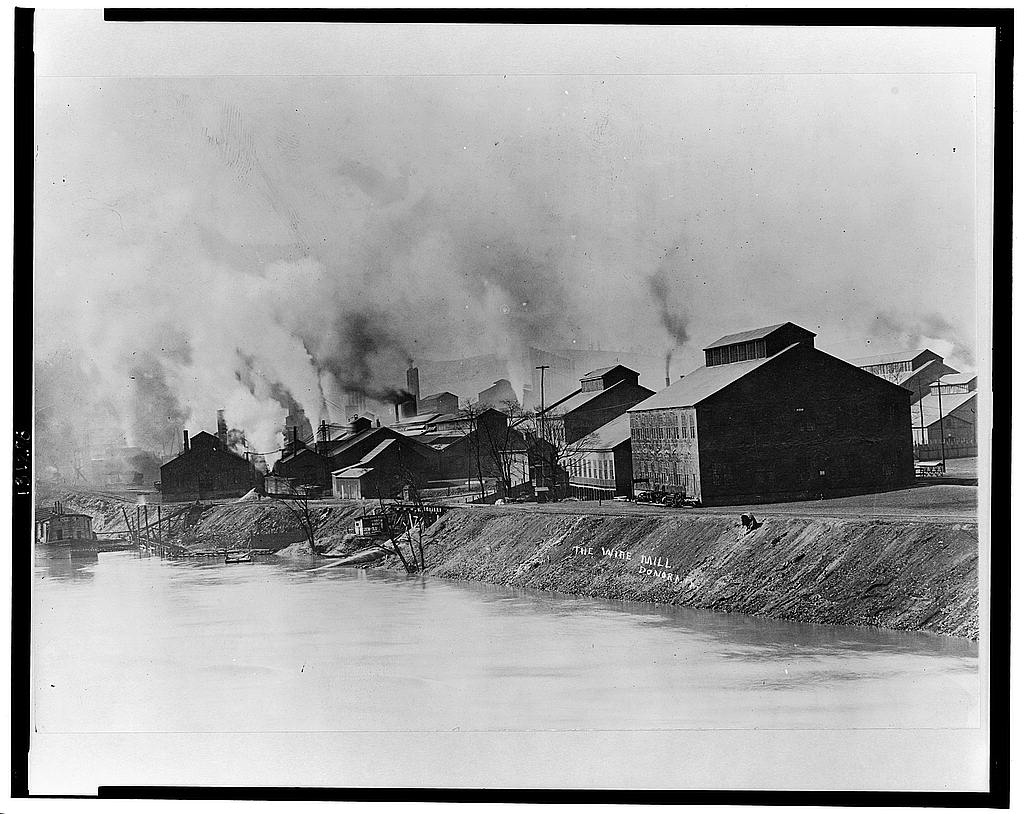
x=222, y=239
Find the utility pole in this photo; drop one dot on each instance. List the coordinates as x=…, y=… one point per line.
x=942, y=431
x=920, y=410
x=543, y=435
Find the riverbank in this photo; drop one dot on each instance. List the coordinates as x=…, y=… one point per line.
x=902, y=574
x=262, y=523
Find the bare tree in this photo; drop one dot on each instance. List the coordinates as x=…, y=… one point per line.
x=400, y=522
x=308, y=518
x=469, y=426
x=553, y=456
x=504, y=443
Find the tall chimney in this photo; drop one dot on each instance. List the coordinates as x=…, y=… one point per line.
x=412, y=380
x=222, y=429
x=398, y=417
x=184, y=440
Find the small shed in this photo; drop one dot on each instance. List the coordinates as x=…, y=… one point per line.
x=59, y=526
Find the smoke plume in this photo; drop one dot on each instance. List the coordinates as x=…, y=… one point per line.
x=931, y=330
x=260, y=246
x=665, y=286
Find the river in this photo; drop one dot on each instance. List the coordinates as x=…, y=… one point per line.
x=136, y=644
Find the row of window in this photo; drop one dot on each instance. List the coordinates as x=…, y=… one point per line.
x=735, y=353
x=654, y=466
x=686, y=480
x=663, y=425
x=891, y=369
x=599, y=469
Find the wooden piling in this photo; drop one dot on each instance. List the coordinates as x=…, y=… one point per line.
x=128, y=524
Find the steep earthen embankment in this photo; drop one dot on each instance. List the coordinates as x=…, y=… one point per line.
x=899, y=574
x=215, y=526
x=904, y=575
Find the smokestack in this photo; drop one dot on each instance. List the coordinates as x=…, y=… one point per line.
x=184, y=440
x=412, y=381
x=222, y=429
x=398, y=417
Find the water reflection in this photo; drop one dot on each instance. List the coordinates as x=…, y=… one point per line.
x=63, y=564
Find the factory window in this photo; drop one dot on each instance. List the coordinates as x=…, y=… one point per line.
x=611, y=471
x=719, y=474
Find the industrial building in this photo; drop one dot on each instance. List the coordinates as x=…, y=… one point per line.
x=438, y=403
x=207, y=469
x=946, y=420
x=497, y=395
x=391, y=469
x=603, y=466
x=603, y=394
x=305, y=461
x=915, y=370
x=770, y=417
x=472, y=444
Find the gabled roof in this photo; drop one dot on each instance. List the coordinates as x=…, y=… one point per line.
x=890, y=358
x=750, y=336
x=355, y=439
x=368, y=458
x=291, y=456
x=702, y=383
x=441, y=440
x=929, y=407
x=577, y=398
x=352, y=472
x=609, y=435
x=52, y=516
x=201, y=434
x=907, y=375
x=603, y=371
x=437, y=395
x=958, y=378
x=446, y=417
x=377, y=451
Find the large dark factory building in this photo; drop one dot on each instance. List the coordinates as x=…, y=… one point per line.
x=768, y=418
x=206, y=469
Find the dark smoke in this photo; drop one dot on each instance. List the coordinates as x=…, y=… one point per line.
x=237, y=441
x=252, y=377
x=156, y=415
x=364, y=356
x=672, y=319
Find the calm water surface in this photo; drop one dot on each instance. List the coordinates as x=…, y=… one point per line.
x=125, y=643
